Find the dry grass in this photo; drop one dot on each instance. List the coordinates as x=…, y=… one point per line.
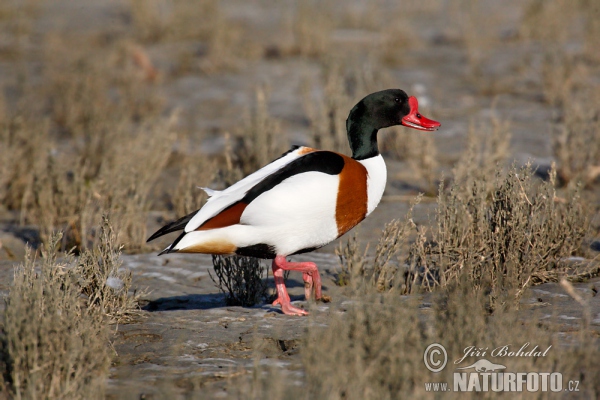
x=386, y=264
x=52, y=344
x=89, y=136
x=312, y=27
x=400, y=37
x=103, y=283
x=375, y=349
x=223, y=43
x=262, y=139
x=566, y=81
x=352, y=260
x=386, y=269
x=487, y=149
x=62, y=169
x=62, y=153
x=420, y=153
x=507, y=239
x=480, y=30
x=54, y=339
x=327, y=113
x=575, y=141
x=17, y=25
x=188, y=196
x=162, y=20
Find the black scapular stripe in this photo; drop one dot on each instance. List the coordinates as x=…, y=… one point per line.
x=326, y=162
x=173, y=226
x=307, y=250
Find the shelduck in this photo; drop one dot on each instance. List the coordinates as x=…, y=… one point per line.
x=301, y=201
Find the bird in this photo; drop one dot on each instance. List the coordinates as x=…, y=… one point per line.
x=301, y=201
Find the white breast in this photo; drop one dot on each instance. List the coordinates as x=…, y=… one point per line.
x=376, y=179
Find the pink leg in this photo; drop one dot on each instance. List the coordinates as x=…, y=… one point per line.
x=310, y=275
x=283, y=297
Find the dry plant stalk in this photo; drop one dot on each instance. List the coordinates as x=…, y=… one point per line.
x=24, y=143
x=576, y=143
x=418, y=150
x=549, y=26
x=327, y=116
x=400, y=36
x=63, y=197
x=385, y=269
x=240, y=278
x=351, y=260
x=423, y=273
x=487, y=149
x=369, y=353
x=394, y=234
x=52, y=345
x=188, y=196
x=231, y=172
x=262, y=139
x=102, y=281
x=312, y=28
x=137, y=164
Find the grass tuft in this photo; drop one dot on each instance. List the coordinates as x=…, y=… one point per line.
x=52, y=345
x=504, y=234
x=102, y=281
x=241, y=279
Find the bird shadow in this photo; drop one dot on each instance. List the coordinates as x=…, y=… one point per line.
x=206, y=301
x=186, y=302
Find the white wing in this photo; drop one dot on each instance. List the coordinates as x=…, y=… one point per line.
x=220, y=200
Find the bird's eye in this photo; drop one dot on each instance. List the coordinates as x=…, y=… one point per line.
x=397, y=100
x=418, y=115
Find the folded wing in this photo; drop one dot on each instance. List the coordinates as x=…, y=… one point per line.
x=226, y=202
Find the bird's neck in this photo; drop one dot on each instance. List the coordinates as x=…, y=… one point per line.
x=362, y=135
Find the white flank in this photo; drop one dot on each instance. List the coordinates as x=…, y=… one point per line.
x=299, y=212
x=376, y=179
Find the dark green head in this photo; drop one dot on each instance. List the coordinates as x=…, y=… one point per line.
x=381, y=110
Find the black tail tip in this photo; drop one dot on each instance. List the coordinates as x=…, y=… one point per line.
x=165, y=251
x=151, y=238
